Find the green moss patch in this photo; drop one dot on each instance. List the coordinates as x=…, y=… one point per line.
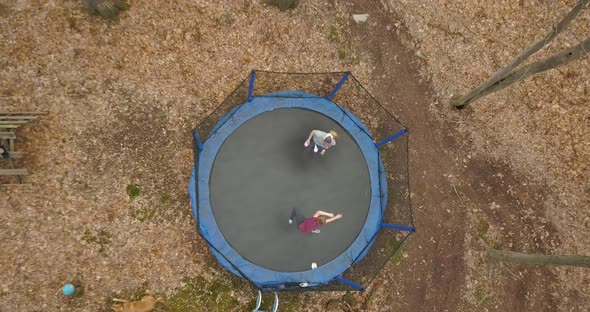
x=133, y=190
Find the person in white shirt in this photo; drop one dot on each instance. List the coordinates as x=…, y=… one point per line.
x=322, y=140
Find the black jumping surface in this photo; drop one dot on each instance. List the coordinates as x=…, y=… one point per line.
x=262, y=171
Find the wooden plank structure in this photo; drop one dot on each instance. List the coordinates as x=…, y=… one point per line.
x=9, y=123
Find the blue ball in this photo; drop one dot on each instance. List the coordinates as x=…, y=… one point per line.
x=68, y=289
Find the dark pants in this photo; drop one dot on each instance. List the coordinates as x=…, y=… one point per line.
x=312, y=144
x=296, y=216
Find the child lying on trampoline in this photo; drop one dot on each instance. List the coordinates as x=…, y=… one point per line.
x=312, y=224
x=322, y=140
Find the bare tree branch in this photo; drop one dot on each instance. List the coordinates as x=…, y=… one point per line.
x=463, y=101
x=534, y=259
x=540, y=66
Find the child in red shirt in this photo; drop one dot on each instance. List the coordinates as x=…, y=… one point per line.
x=312, y=224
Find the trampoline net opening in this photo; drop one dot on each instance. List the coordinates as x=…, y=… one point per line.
x=381, y=124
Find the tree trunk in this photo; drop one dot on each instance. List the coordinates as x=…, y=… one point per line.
x=462, y=101
x=535, y=259
x=537, y=67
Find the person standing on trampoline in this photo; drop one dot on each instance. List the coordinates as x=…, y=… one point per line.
x=322, y=140
x=312, y=224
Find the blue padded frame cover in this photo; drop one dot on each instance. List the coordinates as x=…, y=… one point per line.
x=224, y=253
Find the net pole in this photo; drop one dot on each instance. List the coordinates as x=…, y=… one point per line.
x=251, y=86
x=349, y=283
x=338, y=86
x=392, y=137
x=398, y=227
x=197, y=139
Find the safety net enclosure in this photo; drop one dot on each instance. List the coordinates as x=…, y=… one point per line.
x=251, y=169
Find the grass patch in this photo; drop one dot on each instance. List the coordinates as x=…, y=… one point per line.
x=107, y=9
x=482, y=297
x=102, y=238
x=482, y=230
x=222, y=293
x=133, y=190
x=197, y=296
x=165, y=198
x=338, y=33
x=333, y=34
x=482, y=227
x=144, y=214
x=398, y=255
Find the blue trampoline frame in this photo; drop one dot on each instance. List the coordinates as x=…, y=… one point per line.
x=263, y=278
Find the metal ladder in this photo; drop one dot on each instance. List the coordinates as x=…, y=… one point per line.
x=275, y=305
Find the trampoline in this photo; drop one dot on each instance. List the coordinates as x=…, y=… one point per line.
x=253, y=170
x=261, y=172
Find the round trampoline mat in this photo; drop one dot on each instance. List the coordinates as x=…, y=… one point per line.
x=262, y=171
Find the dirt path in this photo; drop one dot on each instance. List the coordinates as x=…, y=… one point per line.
x=452, y=189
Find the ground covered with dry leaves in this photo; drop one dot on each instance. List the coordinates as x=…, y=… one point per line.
x=540, y=127
x=107, y=205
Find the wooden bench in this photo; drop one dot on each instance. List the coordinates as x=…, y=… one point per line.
x=17, y=173
x=16, y=155
x=7, y=135
x=14, y=172
x=13, y=120
x=9, y=122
